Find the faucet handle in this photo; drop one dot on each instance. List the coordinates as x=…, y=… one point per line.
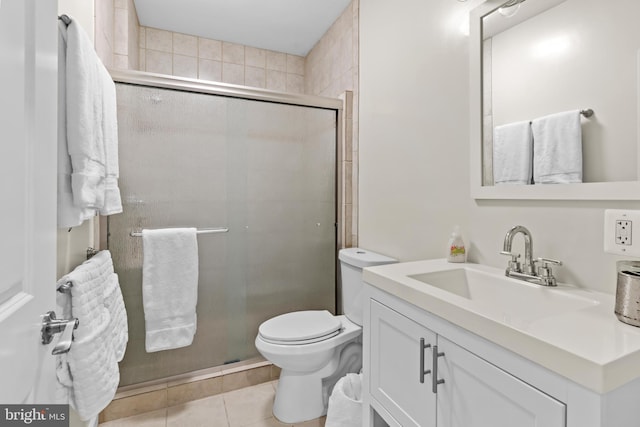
x=546, y=261
x=514, y=265
x=514, y=257
x=544, y=271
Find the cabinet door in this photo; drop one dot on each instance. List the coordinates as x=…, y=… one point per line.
x=476, y=393
x=396, y=353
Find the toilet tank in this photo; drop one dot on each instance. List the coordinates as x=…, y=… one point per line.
x=352, y=261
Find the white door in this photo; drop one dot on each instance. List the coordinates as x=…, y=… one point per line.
x=399, y=360
x=28, y=152
x=476, y=393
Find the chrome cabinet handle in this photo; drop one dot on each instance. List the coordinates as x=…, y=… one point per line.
x=52, y=326
x=434, y=377
x=423, y=347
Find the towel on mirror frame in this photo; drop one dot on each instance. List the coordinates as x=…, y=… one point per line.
x=512, y=153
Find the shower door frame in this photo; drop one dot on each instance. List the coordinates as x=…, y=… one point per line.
x=164, y=81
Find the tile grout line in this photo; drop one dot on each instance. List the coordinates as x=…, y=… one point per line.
x=226, y=411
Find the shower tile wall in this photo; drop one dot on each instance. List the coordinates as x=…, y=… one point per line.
x=329, y=69
x=184, y=55
x=116, y=34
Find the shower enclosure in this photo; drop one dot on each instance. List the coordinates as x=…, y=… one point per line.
x=259, y=163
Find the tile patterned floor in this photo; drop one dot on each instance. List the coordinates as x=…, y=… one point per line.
x=247, y=407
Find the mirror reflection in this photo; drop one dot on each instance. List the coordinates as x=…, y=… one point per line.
x=546, y=63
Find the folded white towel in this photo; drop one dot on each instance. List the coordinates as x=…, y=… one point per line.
x=512, y=153
x=169, y=287
x=114, y=302
x=91, y=126
x=557, y=148
x=89, y=371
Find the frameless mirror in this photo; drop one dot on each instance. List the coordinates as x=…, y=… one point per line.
x=538, y=57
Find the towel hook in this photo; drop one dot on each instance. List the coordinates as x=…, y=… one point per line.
x=65, y=19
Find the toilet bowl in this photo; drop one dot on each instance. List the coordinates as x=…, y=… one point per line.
x=311, y=366
x=314, y=349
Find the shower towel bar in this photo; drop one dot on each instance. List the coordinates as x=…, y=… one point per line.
x=587, y=113
x=199, y=231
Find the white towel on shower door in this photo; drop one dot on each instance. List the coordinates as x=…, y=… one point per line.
x=169, y=287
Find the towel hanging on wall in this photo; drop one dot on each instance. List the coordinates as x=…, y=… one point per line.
x=88, y=132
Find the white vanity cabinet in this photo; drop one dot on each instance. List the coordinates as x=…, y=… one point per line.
x=470, y=391
x=399, y=358
x=476, y=393
x=515, y=354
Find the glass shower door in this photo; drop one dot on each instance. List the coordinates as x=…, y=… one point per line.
x=266, y=171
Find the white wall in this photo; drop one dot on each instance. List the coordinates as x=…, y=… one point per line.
x=414, y=180
x=82, y=11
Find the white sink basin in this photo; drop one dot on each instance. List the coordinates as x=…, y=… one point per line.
x=503, y=298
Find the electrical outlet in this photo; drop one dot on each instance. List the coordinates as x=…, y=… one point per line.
x=623, y=232
x=618, y=232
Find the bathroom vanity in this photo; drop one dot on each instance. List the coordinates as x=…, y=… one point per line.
x=460, y=345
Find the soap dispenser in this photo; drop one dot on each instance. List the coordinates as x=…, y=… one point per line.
x=457, y=252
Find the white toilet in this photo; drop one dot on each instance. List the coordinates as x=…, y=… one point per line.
x=315, y=348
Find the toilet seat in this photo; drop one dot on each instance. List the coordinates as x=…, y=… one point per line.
x=300, y=327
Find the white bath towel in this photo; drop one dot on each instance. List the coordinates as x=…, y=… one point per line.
x=89, y=372
x=91, y=125
x=112, y=201
x=69, y=215
x=169, y=287
x=512, y=153
x=119, y=328
x=557, y=148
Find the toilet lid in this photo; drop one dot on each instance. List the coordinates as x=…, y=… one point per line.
x=301, y=327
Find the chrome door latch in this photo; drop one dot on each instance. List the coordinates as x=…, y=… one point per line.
x=52, y=326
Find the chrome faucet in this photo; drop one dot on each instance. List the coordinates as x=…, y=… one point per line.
x=529, y=271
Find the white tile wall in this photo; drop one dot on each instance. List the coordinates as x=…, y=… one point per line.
x=330, y=69
x=220, y=61
x=210, y=49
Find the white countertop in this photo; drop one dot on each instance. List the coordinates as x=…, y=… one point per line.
x=590, y=346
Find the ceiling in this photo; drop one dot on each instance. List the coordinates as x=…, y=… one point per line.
x=291, y=26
